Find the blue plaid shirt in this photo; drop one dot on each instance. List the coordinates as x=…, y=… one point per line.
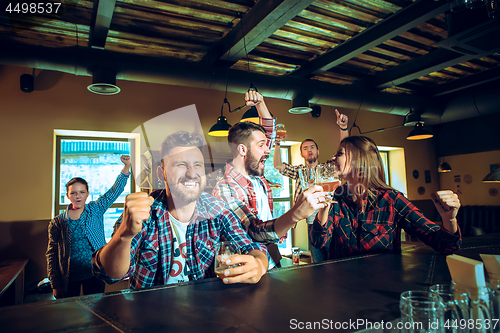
x=59, y=247
x=152, y=248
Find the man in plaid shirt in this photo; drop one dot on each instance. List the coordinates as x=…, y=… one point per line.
x=245, y=189
x=310, y=152
x=172, y=235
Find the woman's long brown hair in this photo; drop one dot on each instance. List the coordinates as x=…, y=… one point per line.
x=367, y=169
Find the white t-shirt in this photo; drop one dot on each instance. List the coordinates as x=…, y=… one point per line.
x=180, y=269
x=263, y=209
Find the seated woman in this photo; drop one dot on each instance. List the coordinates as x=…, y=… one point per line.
x=367, y=215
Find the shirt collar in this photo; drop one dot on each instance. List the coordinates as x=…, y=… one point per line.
x=370, y=201
x=236, y=175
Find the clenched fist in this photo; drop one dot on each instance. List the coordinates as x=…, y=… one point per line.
x=253, y=98
x=447, y=204
x=137, y=210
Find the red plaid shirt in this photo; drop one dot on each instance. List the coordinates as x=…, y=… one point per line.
x=378, y=229
x=238, y=192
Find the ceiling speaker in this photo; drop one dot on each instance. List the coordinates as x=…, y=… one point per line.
x=27, y=83
x=316, y=111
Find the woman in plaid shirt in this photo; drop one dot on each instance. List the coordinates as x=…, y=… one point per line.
x=366, y=215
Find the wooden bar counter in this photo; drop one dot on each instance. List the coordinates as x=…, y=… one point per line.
x=359, y=289
x=12, y=273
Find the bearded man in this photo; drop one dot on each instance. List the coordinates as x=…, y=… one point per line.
x=172, y=235
x=248, y=193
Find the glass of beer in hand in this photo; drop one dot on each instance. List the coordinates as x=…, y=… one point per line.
x=307, y=177
x=280, y=131
x=327, y=177
x=225, y=251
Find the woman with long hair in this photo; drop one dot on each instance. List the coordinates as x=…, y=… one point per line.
x=367, y=215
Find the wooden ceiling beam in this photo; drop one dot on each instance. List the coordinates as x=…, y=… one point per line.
x=101, y=21
x=405, y=19
x=432, y=62
x=468, y=81
x=254, y=28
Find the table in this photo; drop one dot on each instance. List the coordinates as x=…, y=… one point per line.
x=360, y=288
x=12, y=271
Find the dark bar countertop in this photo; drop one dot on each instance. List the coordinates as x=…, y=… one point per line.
x=347, y=294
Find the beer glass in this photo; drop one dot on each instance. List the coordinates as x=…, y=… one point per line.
x=421, y=312
x=280, y=131
x=327, y=177
x=225, y=250
x=456, y=307
x=307, y=177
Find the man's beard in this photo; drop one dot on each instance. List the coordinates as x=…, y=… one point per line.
x=312, y=158
x=187, y=196
x=252, y=164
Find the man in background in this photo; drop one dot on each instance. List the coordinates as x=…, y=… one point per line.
x=309, y=151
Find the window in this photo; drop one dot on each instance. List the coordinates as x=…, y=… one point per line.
x=393, y=159
x=385, y=161
x=282, y=193
x=97, y=160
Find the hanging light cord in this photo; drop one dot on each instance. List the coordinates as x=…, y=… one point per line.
x=377, y=130
x=252, y=87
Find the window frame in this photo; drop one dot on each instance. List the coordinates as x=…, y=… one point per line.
x=290, y=182
x=289, y=199
x=57, y=206
x=386, y=166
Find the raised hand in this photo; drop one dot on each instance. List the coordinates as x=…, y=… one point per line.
x=253, y=98
x=137, y=210
x=447, y=204
x=127, y=163
x=342, y=119
x=309, y=201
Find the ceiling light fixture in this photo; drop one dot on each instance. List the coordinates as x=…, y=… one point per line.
x=221, y=128
x=251, y=115
x=300, y=105
x=444, y=167
x=493, y=176
x=419, y=132
x=104, y=82
x=412, y=118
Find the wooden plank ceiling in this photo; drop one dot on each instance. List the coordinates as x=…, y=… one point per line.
x=386, y=45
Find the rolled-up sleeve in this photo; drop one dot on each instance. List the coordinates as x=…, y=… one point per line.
x=260, y=231
x=414, y=222
x=269, y=125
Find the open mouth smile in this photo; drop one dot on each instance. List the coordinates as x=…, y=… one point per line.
x=190, y=184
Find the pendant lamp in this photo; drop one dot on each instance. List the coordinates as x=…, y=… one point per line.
x=419, y=133
x=221, y=128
